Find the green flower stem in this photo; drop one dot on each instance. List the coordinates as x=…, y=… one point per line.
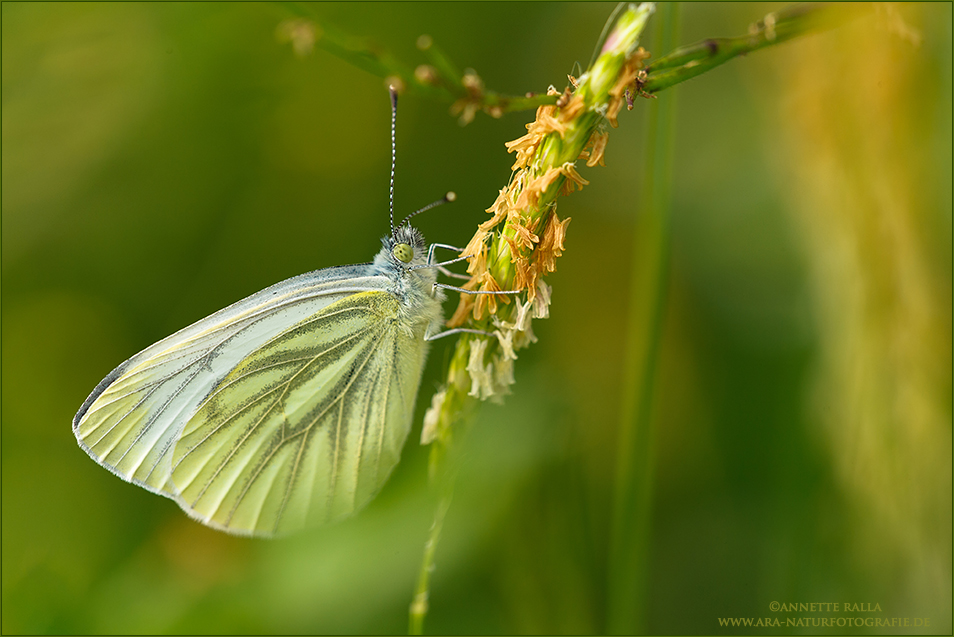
x=793, y=21
x=447, y=87
x=509, y=103
x=420, y=602
x=632, y=511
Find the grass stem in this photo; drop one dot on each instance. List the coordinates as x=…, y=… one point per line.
x=420, y=602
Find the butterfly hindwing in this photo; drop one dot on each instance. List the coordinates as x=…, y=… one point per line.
x=307, y=428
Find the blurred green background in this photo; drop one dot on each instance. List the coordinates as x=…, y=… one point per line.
x=162, y=160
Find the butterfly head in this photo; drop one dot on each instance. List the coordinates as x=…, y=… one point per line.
x=406, y=246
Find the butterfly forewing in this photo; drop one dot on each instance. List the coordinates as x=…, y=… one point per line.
x=131, y=421
x=307, y=428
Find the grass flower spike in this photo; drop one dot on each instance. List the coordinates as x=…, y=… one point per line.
x=519, y=245
x=524, y=237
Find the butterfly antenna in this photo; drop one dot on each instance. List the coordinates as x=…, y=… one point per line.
x=394, y=96
x=449, y=197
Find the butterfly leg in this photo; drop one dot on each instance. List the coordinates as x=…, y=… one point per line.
x=453, y=275
x=434, y=246
x=443, y=270
x=439, y=265
x=464, y=330
x=457, y=289
x=456, y=330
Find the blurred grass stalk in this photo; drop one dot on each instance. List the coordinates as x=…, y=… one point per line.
x=628, y=566
x=629, y=542
x=860, y=166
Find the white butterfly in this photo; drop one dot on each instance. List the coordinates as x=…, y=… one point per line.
x=285, y=410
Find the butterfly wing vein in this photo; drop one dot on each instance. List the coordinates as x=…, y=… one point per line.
x=283, y=442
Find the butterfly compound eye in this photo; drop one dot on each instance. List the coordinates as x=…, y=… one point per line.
x=403, y=252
